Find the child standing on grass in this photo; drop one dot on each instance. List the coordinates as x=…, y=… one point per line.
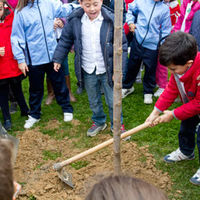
x=149, y=20
x=10, y=75
x=33, y=43
x=179, y=54
x=91, y=30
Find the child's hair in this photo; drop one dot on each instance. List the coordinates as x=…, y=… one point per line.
x=124, y=187
x=177, y=49
x=23, y=3
x=6, y=175
x=6, y=11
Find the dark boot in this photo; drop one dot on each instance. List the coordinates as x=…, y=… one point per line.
x=71, y=96
x=50, y=91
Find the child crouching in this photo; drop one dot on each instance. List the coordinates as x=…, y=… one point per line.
x=179, y=54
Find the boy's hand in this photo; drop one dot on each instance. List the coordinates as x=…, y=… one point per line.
x=23, y=67
x=57, y=66
x=2, y=51
x=166, y=117
x=132, y=27
x=151, y=118
x=58, y=23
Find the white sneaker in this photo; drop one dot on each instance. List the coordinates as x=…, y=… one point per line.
x=148, y=99
x=159, y=92
x=196, y=178
x=30, y=122
x=126, y=92
x=177, y=156
x=68, y=117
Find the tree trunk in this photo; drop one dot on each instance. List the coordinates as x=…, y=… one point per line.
x=117, y=96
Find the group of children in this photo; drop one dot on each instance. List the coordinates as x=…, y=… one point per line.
x=90, y=29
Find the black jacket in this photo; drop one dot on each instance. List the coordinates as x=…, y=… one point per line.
x=71, y=34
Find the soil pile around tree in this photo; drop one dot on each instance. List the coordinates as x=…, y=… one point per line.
x=33, y=168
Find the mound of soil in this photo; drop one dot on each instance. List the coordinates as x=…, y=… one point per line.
x=33, y=168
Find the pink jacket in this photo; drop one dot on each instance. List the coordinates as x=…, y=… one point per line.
x=188, y=22
x=170, y=93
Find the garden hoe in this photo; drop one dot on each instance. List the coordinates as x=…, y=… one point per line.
x=12, y=139
x=67, y=177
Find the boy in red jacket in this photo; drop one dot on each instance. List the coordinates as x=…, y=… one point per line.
x=179, y=54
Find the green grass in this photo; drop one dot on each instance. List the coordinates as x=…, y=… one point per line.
x=51, y=155
x=79, y=164
x=161, y=139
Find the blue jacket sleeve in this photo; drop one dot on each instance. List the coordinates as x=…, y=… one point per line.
x=132, y=12
x=166, y=25
x=64, y=45
x=18, y=38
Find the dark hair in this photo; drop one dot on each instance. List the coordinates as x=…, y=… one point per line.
x=23, y=3
x=177, y=49
x=124, y=187
x=6, y=11
x=6, y=175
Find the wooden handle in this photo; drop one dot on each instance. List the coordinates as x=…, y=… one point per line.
x=102, y=145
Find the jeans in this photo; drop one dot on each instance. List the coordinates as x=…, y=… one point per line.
x=36, y=89
x=149, y=58
x=93, y=84
x=186, y=135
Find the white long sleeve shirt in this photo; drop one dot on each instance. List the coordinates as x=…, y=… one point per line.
x=92, y=56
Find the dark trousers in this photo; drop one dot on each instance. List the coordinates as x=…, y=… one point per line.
x=186, y=135
x=36, y=89
x=149, y=58
x=18, y=94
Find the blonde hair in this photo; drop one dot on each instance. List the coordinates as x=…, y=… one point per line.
x=124, y=187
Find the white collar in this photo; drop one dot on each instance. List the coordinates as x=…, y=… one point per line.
x=99, y=17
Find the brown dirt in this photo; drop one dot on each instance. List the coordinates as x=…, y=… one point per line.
x=41, y=181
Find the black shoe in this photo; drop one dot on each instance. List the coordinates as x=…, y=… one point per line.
x=13, y=107
x=79, y=90
x=7, y=125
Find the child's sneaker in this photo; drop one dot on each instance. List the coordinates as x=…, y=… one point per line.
x=94, y=129
x=196, y=178
x=68, y=117
x=148, y=99
x=7, y=125
x=126, y=92
x=122, y=131
x=177, y=156
x=30, y=122
x=159, y=92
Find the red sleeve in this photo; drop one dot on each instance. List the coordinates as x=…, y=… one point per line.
x=168, y=96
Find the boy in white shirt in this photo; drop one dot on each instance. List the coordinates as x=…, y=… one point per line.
x=91, y=30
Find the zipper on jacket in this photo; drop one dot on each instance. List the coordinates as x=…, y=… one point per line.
x=148, y=23
x=44, y=31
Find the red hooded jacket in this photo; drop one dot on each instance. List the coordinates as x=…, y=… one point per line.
x=192, y=90
x=8, y=65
